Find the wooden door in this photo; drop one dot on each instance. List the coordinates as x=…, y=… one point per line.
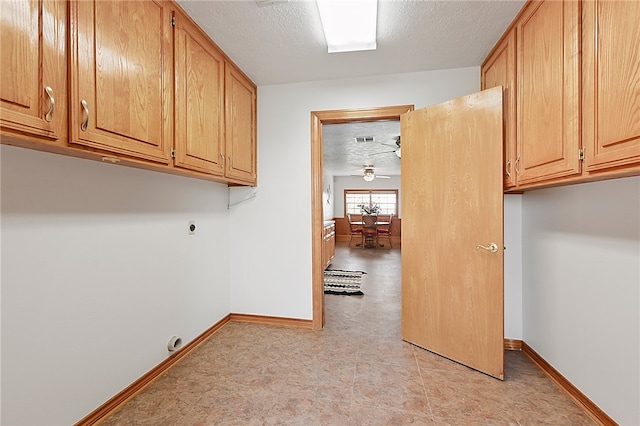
x=199, y=95
x=240, y=123
x=121, y=77
x=452, y=203
x=500, y=70
x=548, y=97
x=33, y=85
x=611, y=83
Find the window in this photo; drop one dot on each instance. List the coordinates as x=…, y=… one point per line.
x=387, y=199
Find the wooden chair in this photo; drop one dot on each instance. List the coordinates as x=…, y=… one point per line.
x=384, y=231
x=369, y=231
x=355, y=230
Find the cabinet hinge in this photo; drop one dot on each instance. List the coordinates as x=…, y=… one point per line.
x=581, y=154
x=173, y=153
x=173, y=21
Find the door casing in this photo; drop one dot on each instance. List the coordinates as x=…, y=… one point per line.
x=318, y=118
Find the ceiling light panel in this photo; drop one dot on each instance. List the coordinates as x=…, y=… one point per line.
x=349, y=25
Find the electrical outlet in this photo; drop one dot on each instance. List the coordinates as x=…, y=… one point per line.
x=192, y=227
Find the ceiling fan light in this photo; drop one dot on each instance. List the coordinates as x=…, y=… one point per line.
x=349, y=25
x=368, y=175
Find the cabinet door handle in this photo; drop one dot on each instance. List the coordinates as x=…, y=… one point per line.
x=48, y=116
x=85, y=122
x=507, y=168
x=518, y=165
x=222, y=160
x=230, y=162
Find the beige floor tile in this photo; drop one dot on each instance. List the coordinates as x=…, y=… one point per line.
x=357, y=371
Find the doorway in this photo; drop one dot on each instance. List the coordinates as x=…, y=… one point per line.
x=318, y=119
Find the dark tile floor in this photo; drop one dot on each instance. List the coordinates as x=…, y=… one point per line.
x=357, y=371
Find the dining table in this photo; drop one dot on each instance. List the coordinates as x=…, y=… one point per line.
x=369, y=238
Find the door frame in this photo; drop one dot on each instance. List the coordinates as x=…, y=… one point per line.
x=318, y=119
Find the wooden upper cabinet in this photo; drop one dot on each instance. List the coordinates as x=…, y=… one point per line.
x=134, y=80
x=548, y=125
x=121, y=77
x=33, y=86
x=499, y=69
x=240, y=124
x=611, y=83
x=199, y=97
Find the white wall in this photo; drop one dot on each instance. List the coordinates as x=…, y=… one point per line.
x=271, y=275
x=328, y=196
x=271, y=244
x=356, y=182
x=513, y=267
x=581, y=280
x=98, y=272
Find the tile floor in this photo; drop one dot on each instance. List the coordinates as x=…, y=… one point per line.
x=357, y=371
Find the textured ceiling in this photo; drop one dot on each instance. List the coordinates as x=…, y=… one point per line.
x=343, y=156
x=282, y=42
x=279, y=42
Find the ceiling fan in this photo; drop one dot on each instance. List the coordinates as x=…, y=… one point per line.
x=395, y=151
x=369, y=175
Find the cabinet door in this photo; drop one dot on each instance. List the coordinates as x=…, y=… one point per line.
x=199, y=95
x=611, y=83
x=325, y=251
x=548, y=97
x=332, y=247
x=121, y=77
x=328, y=245
x=500, y=70
x=33, y=86
x=240, y=123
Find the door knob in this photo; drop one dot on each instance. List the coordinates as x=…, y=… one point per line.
x=492, y=247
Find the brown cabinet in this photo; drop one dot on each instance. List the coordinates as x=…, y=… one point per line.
x=199, y=97
x=240, y=125
x=33, y=86
x=548, y=122
x=577, y=101
x=121, y=77
x=499, y=69
x=143, y=84
x=215, y=109
x=611, y=83
x=328, y=243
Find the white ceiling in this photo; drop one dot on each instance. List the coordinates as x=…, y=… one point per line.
x=343, y=156
x=279, y=42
